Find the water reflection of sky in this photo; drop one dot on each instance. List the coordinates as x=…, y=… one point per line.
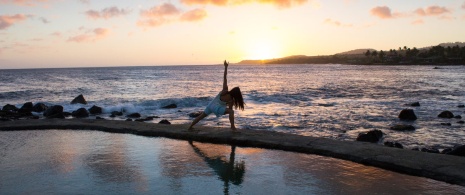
x=92, y=162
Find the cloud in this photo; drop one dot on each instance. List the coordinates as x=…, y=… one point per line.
x=278, y=3
x=44, y=20
x=336, y=23
x=463, y=5
x=91, y=36
x=382, y=12
x=85, y=1
x=56, y=34
x=194, y=15
x=166, y=13
x=431, y=11
x=106, y=13
x=7, y=21
x=23, y=2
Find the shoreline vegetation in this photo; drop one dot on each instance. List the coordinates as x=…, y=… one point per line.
x=442, y=54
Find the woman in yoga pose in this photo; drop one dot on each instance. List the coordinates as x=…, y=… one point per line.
x=223, y=103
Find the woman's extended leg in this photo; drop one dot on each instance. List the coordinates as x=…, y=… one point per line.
x=196, y=120
x=231, y=118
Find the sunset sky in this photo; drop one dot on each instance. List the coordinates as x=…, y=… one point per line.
x=78, y=33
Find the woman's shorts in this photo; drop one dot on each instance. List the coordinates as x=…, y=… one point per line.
x=218, y=110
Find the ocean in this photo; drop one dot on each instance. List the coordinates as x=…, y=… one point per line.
x=332, y=101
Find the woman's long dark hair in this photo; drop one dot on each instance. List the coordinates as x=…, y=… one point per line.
x=237, y=98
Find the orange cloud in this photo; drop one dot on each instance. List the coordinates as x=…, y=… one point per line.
x=278, y=3
x=94, y=35
x=106, y=13
x=194, y=15
x=7, y=21
x=23, y=2
x=382, y=12
x=432, y=11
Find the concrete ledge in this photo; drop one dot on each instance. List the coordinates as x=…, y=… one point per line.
x=440, y=167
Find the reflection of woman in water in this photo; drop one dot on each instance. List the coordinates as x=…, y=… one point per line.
x=228, y=171
x=224, y=98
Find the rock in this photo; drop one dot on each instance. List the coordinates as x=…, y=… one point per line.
x=10, y=107
x=95, y=110
x=116, y=113
x=393, y=144
x=400, y=127
x=54, y=112
x=79, y=100
x=446, y=124
x=170, y=106
x=461, y=122
x=128, y=119
x=415, y=104
x=80, y=113
x=112, y=116
x=458, y=151
x=447, y=150
x=457, y=116
x=407, y=114
x=446, y=114
x=461, y=106
x=195, y=114
x=144, y=119
x=39, y=107
x=99, y=118
x=372, y=136
x=67, y=114
x=134, y=115
x=164, y=121
x=27, y=107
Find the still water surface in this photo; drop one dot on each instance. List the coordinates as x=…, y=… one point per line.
x=93, y=162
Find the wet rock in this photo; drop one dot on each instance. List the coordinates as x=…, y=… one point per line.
x=461, y=106
x=80, y=113
x=400, y=127
x=457, y=116
x=128, y=119
x=39, y=107
x=67, y=114
x=55, y=111
x=170, y=106
x=145, y=119
x=27, y=107
x=195, y=114
x=79, y=100
x=457, y=151
x=446, y=124
x=447, y=150
x=407, y=114
x=116, y=113
x=10, y=107
x=461, y=122
x=134, y=115
x=415, y=104
x=393, y=144
x=446, y=114
x=95, y=110
x=99, y=118
x=372, y=136
x=164, y=121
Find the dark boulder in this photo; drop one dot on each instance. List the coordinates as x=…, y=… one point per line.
x=415, y=104
x=170, y=106
x=372, y=136
x=430, y=150
x=446, y=114
x=407, y=114
x=393, y=145
x=195, y=114
x=116, y=113
x=80, y=113
x=461, y=122
x=39, y=107
x=457, y=116
x=461, y=106
x=95, y=110
x=67, y=114
x=134, y=115
x=79, y=100
x=99, y=118
x=128, y=119
x=145, y=119
x=10, y=107
x=27, y=107
x=401, y=127
x=446, y=124
x=457, y=151
x=54, y=112
x=164, y=121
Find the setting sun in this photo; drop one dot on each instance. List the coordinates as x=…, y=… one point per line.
x=261, y=50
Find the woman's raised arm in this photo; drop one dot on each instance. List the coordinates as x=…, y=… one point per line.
x=225, y=80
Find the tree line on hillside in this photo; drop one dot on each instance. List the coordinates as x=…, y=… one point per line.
x=436, y=55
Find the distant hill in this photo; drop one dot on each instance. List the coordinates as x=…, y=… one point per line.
x=355, y=52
